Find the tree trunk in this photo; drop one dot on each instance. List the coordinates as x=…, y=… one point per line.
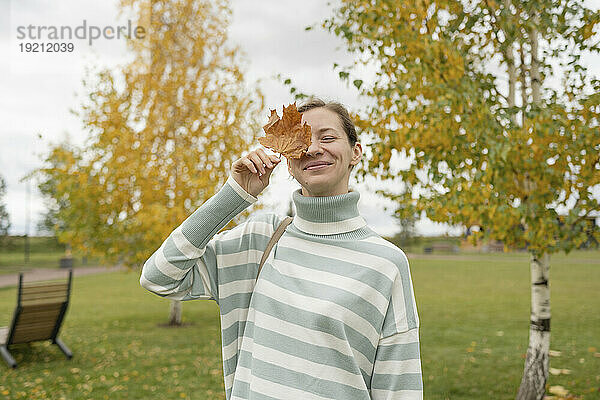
x=533, y=383
x=511, y=70
x=175, y=313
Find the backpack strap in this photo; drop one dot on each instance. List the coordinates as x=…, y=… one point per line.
x=274, y=239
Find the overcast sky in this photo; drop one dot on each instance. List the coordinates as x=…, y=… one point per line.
x=36, y=93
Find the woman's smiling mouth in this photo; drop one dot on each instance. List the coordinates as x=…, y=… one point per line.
x=316, y=167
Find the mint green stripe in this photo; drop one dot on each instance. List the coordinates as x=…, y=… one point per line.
x=350, y=301
x=175, y=256
x=398, y=352
x=230, y=334
x=318, y=385
x=370, y=276
x=213, y=215
x=248, y=241
x=397, y=382
x=294, y=347
x=317, y=322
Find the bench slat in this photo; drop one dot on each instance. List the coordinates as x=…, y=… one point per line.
x=47, y=287
x=35, y=317
x=43, y=302
x=32, y=336
x=42, y=293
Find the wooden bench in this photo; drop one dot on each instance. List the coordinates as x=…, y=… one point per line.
x=41, y=308
x=440, y=246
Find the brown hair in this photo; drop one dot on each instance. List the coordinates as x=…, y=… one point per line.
x=339, y=109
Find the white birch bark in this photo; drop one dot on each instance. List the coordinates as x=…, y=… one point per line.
x=175, y=313
x=533, y=383
x=511, y=70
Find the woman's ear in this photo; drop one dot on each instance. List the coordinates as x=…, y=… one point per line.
x=356, y=153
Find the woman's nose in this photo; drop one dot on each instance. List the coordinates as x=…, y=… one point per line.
x=313, y=148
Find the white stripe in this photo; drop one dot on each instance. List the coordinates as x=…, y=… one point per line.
x=272, y=389
x=399, y=305
x=233, y=316
x=329, y=228
x=322, y=307
x=164, y=266
x=310, y=336
x=301, y=365
x=239, y=258
x=184, y=245
x=240, y=190
x=172, y=294
x=411, y=336
x=366, y=292
x=203, y=271
x=378, y=394
x=381, y=241
x=395, y=367
x=229, y=381
x=249, y=227
x=235, y=287
x=231, y=349
x=153, y=287
x=371, y=261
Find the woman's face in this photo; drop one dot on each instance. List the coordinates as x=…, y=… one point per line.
x=330, y=150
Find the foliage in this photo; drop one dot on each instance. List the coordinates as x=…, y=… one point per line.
x=523, y=170
x=164, y=130
x=4, y=218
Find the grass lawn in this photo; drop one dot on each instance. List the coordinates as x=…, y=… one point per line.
x=44, y=252
x=474, y=312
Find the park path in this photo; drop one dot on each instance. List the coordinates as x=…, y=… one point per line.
x=42, y=274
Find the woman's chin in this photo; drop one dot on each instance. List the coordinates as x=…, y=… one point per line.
x=315, y=188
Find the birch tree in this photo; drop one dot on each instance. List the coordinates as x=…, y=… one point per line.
x=496, y=116
x=164, y=130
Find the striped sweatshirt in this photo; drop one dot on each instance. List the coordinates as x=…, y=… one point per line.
x=332, y=315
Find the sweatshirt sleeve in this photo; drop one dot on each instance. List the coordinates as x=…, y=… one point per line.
x=184, y=267
x=397, y=368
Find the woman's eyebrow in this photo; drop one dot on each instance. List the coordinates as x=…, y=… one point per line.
x=325, y=129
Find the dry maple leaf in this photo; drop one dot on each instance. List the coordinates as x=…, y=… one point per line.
x=287, y=135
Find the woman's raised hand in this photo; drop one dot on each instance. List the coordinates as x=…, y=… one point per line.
x=252, y=171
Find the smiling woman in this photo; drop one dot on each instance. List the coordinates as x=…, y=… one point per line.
x=332, y=313
x=324, y=169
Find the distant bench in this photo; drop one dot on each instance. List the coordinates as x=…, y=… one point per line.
x=441, y=247
x=41, y=308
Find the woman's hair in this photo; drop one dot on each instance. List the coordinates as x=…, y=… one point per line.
x=339, y=109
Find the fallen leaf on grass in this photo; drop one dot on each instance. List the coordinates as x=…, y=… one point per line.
x=558, y=390
x=287, y=135
x=554, y=353
x=558, y=371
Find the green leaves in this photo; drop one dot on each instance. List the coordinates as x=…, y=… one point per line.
x=435, y=97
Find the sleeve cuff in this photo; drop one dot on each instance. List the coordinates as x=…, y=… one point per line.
x=240, y=190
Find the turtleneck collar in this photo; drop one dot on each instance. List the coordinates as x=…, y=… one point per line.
x=327, y=215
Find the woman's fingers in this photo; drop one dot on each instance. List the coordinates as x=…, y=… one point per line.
x=261, y=159
x=255, y=158
x=265, y=157
x=249, y=164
